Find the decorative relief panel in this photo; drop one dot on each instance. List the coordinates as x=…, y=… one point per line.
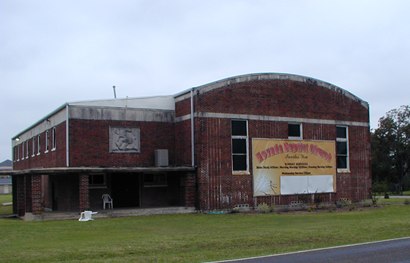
x=124, y=140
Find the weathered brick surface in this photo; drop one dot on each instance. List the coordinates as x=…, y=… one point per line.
x=19, y=195
x=52, y=158
x=214, y=185
x=183, y=143
x=27, y=194
x=189, y=190
x=283, y=98
x=218, y=188
x=183, y=107
x=89, y=143
x=37, y=204
x=84, y=196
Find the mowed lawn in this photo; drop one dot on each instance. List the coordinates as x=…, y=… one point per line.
x=196, y=237
x=4, y=210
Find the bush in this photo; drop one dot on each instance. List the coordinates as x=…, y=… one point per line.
x=352, y=207
x=374, y=199
x=343, y=202
x=368, y=203
x=317, y=199
x=380, y=187
x=264, y=208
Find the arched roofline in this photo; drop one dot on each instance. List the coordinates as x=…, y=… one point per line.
x=267, y=76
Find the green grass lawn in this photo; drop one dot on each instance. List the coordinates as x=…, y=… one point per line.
x=195, y=238
x=5, y=210
x=392, y=201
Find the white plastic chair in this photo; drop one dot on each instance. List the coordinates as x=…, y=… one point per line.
x=107, y=200
x=86, y=216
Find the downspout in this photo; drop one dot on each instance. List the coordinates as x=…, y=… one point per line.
x=192, y=130
x=67, y=136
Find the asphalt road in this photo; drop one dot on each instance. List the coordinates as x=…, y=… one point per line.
x=397, y=250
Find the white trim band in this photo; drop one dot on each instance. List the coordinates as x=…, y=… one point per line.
x=270, y=118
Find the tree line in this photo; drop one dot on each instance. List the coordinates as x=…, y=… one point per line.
x=390, y=144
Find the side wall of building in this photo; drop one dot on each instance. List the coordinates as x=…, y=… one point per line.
x=268, y=106
x=89, y=143
x=35, y=155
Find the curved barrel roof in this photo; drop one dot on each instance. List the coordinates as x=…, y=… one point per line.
x=269, y=76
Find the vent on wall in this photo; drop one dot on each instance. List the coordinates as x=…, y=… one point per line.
x=161, y=158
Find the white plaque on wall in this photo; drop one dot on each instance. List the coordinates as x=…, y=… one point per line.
x=124, y=140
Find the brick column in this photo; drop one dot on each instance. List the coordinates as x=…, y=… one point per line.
x=84, y=192
x=36, y=202
x=27, y=194
x=20, y=197
x=190, y=193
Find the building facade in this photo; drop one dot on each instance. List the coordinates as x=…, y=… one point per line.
x=243, y=140
x=5, y=177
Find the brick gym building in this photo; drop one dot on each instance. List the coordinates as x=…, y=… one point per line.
x=244, y=140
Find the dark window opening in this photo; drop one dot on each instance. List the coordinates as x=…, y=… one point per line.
x=342, y=148
x=294, y=130
x=239, y=128
x=97, y=180
x=341, y=132
x=155, y=180
x=239, y=131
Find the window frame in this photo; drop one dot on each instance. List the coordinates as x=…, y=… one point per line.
x=38, y=144
x=300, y=137
x=240, y=137
x=23, y=148
x=93, y=185
x=347, y=155
x=27, y=149
x=158, y=180
x=53, y=139
x=33, y=145
x=47, y=137
x=18, y=152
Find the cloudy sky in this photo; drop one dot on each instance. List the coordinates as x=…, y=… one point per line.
x=52, y=52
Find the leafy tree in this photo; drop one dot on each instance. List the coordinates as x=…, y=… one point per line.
x=391, y=148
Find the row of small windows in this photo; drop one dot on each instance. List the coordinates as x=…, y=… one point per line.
x=239, y=134
x=23, y=151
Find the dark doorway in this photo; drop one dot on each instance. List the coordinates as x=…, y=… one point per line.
x=125, y=190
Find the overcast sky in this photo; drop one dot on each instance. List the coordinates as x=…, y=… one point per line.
x=52, y=52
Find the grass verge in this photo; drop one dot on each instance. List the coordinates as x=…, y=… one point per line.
x=195, y=238
x=5, y=210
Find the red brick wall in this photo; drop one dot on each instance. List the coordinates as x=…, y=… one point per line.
x=37, y=204
x=189, y=190
x=19, y=195
x=183, y=107
x=55, y=158
x=183, y=143
x=84, y=197
x=283, y=98
x=356, y=184
x=218, y=188
x=89, y=143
